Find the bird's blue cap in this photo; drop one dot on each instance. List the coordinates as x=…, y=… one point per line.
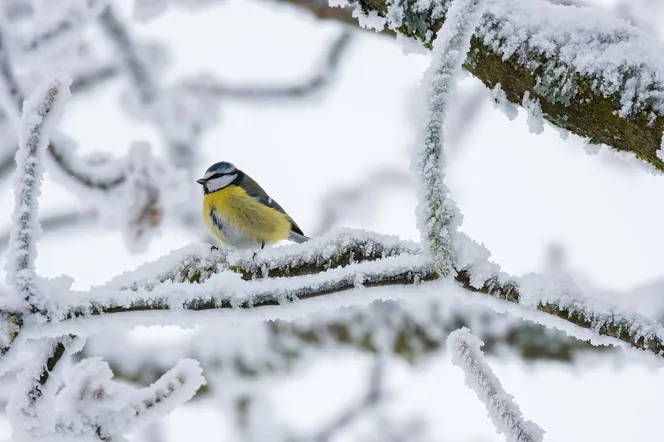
x=222, y=167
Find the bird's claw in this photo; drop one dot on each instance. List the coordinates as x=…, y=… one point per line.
x=213, y=248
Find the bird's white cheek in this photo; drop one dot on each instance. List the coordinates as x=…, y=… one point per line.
x=219, y=183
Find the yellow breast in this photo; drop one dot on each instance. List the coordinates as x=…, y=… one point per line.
x=244, y=219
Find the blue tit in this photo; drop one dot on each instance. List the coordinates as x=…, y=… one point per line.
x=239, y=213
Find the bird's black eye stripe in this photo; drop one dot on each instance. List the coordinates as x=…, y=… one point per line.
x=216, y=175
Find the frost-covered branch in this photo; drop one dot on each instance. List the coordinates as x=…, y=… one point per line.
x=179, y=117
x=345, y=201
x=198, y=279
x=59, y=221
x=40, y=115
x=59, y=152
x=85, y=401
x=59, y=28
x=131, y=58
x=371, y=399
x=24, y=406
x=438, y=216
x=504, y=413
x=417, y=331
x=209, y=86
x=594, y=75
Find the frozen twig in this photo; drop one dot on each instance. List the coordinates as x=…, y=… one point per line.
x=59, y=152
x=87, y=402
x=85, y=81
x=360, y=197
x=25, y=405
x=204, y=280
x=40, y=115
x=171, y=111
x=59, y=221
x=208, y=86
x=55, y=32
x=370, y=400
x=438, y=217
x=504, y=413
x=577, y=61
x=132, y=60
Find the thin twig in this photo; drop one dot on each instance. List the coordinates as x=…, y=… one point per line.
x=321, y=79
x=59, y=221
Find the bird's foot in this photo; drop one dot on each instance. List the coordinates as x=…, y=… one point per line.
x=213, y=248
x=253, y=258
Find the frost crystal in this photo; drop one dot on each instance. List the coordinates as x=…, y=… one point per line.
x=41, y=112
x=616, y=57
x=535, y=119
x=437, y=215
x=504, y=413
x=501, y=102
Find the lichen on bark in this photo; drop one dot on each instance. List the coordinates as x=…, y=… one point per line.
x=570, y=100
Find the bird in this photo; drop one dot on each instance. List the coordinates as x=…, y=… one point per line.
x=239, y=213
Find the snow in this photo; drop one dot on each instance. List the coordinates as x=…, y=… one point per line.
x=504, y=413
x=148, y=10
x=614, y=55
x=54, y=29
x=41, y=113
x=502, y=103
x=491, y=217
x=534, y=113
x=90, y=402
x=437, y=215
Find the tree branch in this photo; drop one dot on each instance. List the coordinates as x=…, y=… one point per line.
x=40, y=113
x=59, y=221
x=343, y=262
x=210, y=86
x=617, y=100
x=504, y=413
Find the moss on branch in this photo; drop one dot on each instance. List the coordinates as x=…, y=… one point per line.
x=337, y=261
x=569, y=99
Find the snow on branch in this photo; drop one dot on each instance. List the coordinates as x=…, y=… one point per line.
x=179, y=116
x=195, y=278
x=146, y=10
x=208, y=86
x=86, y=401
x=131, y=58
x=82, y=173
x=55, y=28
x=594, y=75
x=504, y=413
x=417, y=330
x=438, y=216
x=41, y=113
x=92, y=403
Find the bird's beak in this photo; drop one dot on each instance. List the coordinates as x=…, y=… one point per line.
x=201, y=181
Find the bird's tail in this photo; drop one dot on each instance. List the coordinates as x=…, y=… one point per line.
x=298, y=238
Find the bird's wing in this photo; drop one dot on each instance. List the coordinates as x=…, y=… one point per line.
x=254, y=190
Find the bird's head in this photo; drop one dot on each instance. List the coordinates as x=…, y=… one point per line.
x=218, y=176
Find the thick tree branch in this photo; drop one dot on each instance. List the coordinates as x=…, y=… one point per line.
x=617, y=101
x=416, y=331
x=351, y=255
